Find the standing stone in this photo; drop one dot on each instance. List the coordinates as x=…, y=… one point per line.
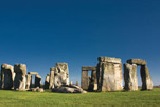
x=110, y=72
x=20, y=80
x=147, y=83
x=93, y=76
x=28, y=81
x=85, y=80
x=7, y=76
x=51, y=78
x=130, y=77
x=37, y=81
x=92, y=82
x=47, y=81
x=61, y=75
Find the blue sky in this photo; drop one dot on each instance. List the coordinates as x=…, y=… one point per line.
x=43, y=32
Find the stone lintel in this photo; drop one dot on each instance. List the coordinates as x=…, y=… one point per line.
x=136, y=61
x=109, y=59
x=88, y=68
x=33, y=73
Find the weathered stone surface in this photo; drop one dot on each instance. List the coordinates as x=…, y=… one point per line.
x=69, y=89
x=109, y=74
x=37, y=81
x=136, y=61
x=109, y=59
x=47, y=81
x=20, y=80
x=112, y=77
x=51, y=78
x=59, y=75
x=85, y=80
x=147, y=83
x=7, y=76
x=130, y=77
x=28, y=81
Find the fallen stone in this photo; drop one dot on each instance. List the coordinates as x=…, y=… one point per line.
x=69, y=89
x=37, y=89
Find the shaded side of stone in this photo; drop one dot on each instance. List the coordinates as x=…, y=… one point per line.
x=37, y=81
x=147, y=83
x=7, y=76
x=93, y=82
x=47, y=81
x=20, y=80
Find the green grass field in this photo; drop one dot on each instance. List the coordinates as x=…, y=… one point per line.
x=104, y=99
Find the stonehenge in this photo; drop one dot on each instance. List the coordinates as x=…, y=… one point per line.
x=109, y=75
x=89, y=83
x=15, y=77
x=130, y=75
x=106, y=76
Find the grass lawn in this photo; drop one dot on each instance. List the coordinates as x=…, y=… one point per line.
x=104, y=99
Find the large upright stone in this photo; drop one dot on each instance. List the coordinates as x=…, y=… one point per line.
x=85, y=80
x=109, y=74
x=28, y=81
x=7, y=76
x=61, y=74
x=130, y=77
x=51, y=78
x=37, y=81
x=47, y=81
x=147, y=83
x=20, y=80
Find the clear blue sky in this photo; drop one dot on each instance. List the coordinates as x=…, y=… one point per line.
x=43, y=32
